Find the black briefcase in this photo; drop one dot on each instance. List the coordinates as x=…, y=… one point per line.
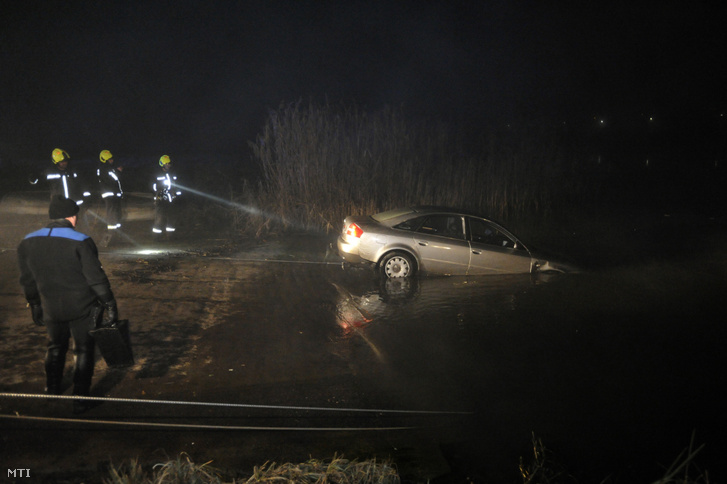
x=114, y=343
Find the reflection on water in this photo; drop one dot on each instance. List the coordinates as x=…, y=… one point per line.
x=617, y=362
x=360, y=305
x=416, y=305
x=350, y=312
x=352, y=316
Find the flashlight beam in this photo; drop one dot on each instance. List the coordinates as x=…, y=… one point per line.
x=239, y=206
x=247, y=208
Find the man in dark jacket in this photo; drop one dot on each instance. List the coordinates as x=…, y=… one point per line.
x=66, y=287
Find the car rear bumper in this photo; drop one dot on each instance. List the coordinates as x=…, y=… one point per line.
x=348, y=252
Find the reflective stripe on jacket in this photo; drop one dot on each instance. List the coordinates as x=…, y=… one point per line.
x=109, y=181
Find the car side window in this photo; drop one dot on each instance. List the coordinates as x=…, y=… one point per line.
x=444, y=225
x=484, y=232
x=411, y=224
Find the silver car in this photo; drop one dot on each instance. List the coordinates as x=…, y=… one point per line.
x=402, y=242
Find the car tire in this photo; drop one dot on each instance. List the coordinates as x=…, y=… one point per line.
x=397, y=264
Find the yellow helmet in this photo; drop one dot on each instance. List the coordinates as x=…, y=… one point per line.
x=105, y=156
x=59, y=155
x=164, y=160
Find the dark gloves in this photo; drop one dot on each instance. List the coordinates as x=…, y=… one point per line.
x=96, y=314
x=112, y=313
x=37, y=312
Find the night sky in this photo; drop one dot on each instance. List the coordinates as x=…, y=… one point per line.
x=200, y=77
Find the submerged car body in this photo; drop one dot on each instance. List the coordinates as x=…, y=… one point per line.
x=402, y=242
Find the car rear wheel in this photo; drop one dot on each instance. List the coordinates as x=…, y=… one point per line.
x=397, y=264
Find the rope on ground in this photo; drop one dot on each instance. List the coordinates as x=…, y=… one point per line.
x=237, y=405
x=278, y=261
x=198, y=426
x=171, y=251
x=137, y=253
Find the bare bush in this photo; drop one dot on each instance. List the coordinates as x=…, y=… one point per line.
x=321, y=163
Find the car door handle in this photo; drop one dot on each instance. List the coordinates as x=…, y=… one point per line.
x=478, y=252
x=423, y=244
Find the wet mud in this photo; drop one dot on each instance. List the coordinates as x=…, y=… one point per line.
x=297, y=356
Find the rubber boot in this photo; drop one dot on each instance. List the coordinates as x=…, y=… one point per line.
x=55, y=361
x=83, y=375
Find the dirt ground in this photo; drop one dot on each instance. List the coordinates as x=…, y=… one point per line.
x=212, y=321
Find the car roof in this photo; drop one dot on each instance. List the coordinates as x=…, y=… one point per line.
x=438, y=209
x=427, y=209
x=392, y=216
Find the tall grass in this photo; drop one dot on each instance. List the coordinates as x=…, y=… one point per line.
x=181, y=469
x=542, y=467
x=337, y=470
x=314, y=471
x=320, y=163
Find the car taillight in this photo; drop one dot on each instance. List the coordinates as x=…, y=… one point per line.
x=354, y=230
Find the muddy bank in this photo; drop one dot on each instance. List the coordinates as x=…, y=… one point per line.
x=211, y=322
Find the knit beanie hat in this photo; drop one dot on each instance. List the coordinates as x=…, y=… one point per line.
x=61, y=207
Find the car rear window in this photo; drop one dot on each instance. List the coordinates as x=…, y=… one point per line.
x=389, y=214
x=411, y=224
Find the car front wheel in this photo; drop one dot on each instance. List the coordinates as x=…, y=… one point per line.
x=397, y=264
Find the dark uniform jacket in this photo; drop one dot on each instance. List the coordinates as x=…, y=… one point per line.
x=65, y=183
x=60, y=269
x=109, y=180
x=165, y=186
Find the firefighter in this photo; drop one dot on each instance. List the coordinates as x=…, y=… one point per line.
x=166, y=191
x=67, y=290
x=62, y=179
x=109, y=180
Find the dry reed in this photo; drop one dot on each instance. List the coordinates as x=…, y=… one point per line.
x=321, y=163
